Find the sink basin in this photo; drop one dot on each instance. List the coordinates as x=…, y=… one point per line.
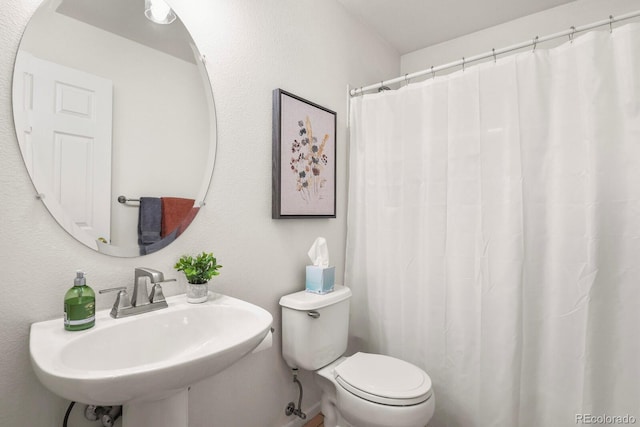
x=146, y=357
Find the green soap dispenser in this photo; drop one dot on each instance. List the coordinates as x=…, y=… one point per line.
x=79, y=305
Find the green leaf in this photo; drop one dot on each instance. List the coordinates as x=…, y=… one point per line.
x=199, y=269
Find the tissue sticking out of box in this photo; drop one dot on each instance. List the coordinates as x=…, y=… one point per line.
x=320, y=277
x=319, y=253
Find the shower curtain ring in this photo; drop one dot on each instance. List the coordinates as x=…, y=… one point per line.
x=463, y=63
x=494, y=55
x=433, y=73
x=406, y=79
x=382, y=87
x=573, y=31
x=535, y=43
x=610, y=24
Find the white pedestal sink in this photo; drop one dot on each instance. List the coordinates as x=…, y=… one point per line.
x=147, y=362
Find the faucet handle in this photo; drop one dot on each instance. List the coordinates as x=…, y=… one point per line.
x=122, y=300
x=118, y=288
x=156, y=295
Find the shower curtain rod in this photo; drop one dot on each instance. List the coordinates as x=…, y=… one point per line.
x=495, y=52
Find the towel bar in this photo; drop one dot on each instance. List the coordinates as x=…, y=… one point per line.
x=124, y=200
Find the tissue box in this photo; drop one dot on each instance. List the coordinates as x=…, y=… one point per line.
x=320, y=280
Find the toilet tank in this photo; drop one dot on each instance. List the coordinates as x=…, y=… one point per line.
x=315, y=328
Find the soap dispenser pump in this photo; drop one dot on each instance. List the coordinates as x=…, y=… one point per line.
x=79, y=305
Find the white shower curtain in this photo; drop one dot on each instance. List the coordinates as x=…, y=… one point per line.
x=494, y=233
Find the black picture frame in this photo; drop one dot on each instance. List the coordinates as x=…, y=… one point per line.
x=303, y=158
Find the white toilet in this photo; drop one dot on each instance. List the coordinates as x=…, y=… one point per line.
x=363, y=390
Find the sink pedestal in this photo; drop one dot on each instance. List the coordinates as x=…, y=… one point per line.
x=172, y=411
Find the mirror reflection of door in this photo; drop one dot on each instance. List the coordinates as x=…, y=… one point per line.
x=66, y=118
x=162, y=124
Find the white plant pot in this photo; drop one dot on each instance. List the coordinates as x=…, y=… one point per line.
x=197, y=293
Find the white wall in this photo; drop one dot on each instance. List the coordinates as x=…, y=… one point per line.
x=580, y=12
x=311, y=48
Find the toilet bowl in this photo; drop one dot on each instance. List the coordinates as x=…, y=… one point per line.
x=373, y=390
x=362, y=390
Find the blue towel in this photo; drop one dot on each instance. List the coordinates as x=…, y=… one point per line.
x=149, y=220
x=149, y=249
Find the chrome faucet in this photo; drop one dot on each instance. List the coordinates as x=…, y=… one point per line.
x=141, y=301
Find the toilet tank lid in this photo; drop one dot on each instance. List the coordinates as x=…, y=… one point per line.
x=304, y=300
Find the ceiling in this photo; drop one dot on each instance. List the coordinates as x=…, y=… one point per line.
x=409, y=25
x=125, y=18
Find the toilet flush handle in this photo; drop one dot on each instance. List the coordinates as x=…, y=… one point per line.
x=313, y=314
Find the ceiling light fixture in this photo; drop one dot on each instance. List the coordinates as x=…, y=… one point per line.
x=159, y=12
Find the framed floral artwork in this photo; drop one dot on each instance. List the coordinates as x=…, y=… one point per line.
x=304, y=158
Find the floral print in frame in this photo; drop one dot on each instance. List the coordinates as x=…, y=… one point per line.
x=304, y=158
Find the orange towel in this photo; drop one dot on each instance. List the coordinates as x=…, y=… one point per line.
x=174, y=211
x=187, y=220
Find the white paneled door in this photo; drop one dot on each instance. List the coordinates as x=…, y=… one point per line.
x=64, y=124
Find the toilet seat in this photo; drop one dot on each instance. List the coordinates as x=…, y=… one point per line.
x=383, y=379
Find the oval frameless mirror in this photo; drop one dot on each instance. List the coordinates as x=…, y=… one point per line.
x=110, y=105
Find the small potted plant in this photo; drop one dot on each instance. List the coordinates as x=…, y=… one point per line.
x=198, y=271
